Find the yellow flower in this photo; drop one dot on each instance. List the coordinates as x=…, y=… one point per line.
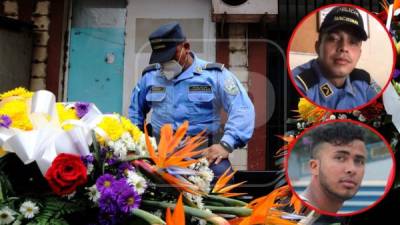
x=309, y=112
x=132, y=129
x=17, y=110
x=17, y=92
x=112, y=126
x=2, y=152
x=65, y=114
x=304, y=108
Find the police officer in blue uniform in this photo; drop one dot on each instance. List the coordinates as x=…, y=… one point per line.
x=332, y=80
x=179, y=86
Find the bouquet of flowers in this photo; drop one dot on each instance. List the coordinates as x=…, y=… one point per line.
x=67, y=163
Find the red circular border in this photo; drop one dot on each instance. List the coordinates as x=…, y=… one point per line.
x=290, y=71
x=389, y=182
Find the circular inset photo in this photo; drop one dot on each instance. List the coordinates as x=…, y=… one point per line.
x=340, y=168
x=340, y=57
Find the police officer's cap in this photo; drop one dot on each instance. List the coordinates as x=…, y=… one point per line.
x=344, y=16
x=164, y=41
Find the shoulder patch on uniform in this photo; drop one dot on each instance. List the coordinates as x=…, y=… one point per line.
x=375, y=86
x=308, y=78
x=151, y=67
x=230, y=86
x=214, y=66
x=326, y=90
x=359, y=74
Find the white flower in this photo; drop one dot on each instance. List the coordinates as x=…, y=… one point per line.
x=6, y=215
x=342, y=116
x=120, y=150
x=29, y=209
x=70, y=196
x=196, y=199
x=17, y=222
x=89, y=168
x=332, y=117
x=126, y=137
x=361, y=118
x=138, y=182
x=93, y=193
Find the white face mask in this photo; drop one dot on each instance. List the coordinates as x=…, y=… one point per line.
x=172, y=68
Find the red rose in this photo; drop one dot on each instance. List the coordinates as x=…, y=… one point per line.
x=66, y=173
x=372, y=111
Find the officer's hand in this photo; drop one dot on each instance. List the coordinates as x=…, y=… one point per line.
x=215, y=153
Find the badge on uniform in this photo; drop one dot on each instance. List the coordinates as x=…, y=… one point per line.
x=326, y=90
x=230, y=86
x=200, y=88
x=198, y=69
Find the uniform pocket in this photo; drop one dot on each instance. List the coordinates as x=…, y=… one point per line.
x=155, y=97
x=200, y=97
x=202, y=102
x=157, y=102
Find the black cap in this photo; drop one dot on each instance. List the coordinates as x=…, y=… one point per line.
x=344, y=16
x=163, y=42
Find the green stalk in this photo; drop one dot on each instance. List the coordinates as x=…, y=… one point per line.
x=238, y=211
x=225, y=201
x=210, y=217
x=136, y=157
x=148, y=217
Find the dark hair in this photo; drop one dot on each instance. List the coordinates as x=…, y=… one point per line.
x=339, y=133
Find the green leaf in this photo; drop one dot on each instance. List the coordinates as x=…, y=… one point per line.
x=210, y=217
x=225, y=201
x=238, y=211
x=148, y=217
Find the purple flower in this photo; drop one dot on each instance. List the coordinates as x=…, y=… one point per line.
x=108, y=219
x=5, y=121
x=128, y=200
x=109, y=156
x=124, y=167
x=87, y=159
x=108, y=202
x=105, y=182
x=396, y=73
x=119, y=186
x=81, y=109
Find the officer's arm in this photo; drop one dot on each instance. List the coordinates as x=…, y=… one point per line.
x=240, y=124
x=138, y=108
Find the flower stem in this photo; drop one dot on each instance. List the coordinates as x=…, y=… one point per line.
x=238, y=211
x=225, y=201
x=148, y=217
x=210, y=217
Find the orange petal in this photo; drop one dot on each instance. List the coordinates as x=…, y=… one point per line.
x=179, y=212
x=165, y=138
x=229, y=195
x=168, y=217
x=230, y=187
x=152, y=153
x=179, y=134
x=223, y=180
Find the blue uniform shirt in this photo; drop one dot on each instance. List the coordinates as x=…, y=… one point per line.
x=358, y=89
x=196, y=95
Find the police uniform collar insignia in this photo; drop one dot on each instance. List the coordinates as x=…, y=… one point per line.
x=230, y=86
x=326, y=90
x=198, y=69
